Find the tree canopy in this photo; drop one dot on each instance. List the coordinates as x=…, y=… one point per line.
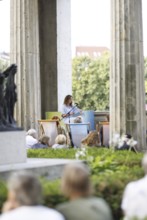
x=3, y=65
x=91, y=82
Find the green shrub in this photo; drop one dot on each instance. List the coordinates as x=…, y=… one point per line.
x=3, y=193
x=52, y=153
x=111, y=171
x=51, y=193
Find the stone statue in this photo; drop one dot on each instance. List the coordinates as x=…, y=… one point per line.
x=2, y=117
x=8, y=98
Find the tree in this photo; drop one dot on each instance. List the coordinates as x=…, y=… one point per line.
x=3, y=65
x=91, y=82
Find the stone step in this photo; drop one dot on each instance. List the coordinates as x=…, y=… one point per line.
x=50, y=168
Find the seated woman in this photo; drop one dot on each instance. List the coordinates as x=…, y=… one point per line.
x=61, y=130
x=92, y=140
x=43, y=143
x=31, y=138
x=76, y=186
x=60, y=142
x=128, y=143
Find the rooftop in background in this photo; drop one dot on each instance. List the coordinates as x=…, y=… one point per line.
x=92, y=52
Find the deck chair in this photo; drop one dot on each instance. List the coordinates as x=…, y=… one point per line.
x=49, y=128
x=77, y=132
x=104, y=133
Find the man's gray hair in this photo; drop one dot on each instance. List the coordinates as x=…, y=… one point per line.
x=32, y=132
x=144, y=162
x=27, y=188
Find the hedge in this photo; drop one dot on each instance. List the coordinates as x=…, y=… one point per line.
x=3, y=193
x=111, y=171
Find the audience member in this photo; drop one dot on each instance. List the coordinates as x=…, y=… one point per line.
x=24, y=198
x=125, y=145
x=77, y=187
x=92, y=139
x=31, y=138
x=61, y=129
x=135, y=197
x=60, y=142
x=43, y=143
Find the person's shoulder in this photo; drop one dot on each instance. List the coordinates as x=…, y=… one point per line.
x=55, y=146
x=100, y=204
x=6, y=216
x=89, y=204
x=63, y=206
x=97, y=201
x=134, y=184
x=12, y=214
x=81, y=201
x=65, y=146
x=32, y=212
x=53, y=214
x=39, y=145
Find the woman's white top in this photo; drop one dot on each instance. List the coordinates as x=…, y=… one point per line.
x=71, y=109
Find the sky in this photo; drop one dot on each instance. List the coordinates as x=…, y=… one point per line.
x=90, y=23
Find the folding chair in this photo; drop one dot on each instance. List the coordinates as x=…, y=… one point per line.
x=49, y=128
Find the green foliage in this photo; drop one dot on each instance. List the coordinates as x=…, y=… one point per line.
x=3, y=65
x=3, y=193
x=111, y=171
x=51, y=193
x=91, y=82
x=52, y=153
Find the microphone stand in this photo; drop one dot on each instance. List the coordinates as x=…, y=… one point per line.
x=68, y=113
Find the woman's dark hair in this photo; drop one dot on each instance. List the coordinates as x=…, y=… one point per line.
x=67, y=98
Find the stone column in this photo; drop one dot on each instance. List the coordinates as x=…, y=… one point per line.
x=127, y=94
x=25, y=53
x=64, y=58
x=55, y=53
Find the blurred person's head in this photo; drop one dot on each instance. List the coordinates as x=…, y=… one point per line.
x=24, y=189
x=144, y=163
x=44, y=140
x=55, y=117
x=68, y=100
x=32, y=132
x=76, y=181
x=60, y=139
